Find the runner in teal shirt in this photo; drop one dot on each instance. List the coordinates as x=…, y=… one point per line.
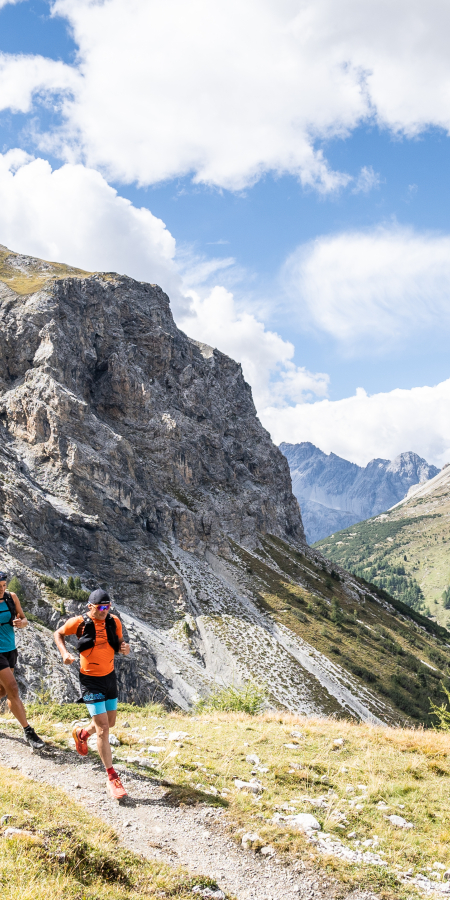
x=12, y=616
x=7, y=636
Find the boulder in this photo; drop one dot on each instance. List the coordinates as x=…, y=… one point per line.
x=399, y=822
x=304, y=822
x=254, y=786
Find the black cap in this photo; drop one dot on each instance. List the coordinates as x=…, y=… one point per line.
x=98, y=597
x=3, y=576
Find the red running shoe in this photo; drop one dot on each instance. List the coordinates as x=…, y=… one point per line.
x=80, y=746
x=116, y=788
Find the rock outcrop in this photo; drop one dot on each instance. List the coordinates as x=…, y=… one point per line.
x=121, y=428
x=334, y=493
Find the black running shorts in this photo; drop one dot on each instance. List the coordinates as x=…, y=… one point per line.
x=98, y=688
x=8, y=659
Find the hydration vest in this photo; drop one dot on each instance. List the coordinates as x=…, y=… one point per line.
x=87, y=634
x=7, y=598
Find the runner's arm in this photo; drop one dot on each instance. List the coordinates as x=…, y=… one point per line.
x=60, y=641
x=21, y=620
x=124, y=648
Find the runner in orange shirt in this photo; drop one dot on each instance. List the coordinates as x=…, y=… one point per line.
x=100, y=637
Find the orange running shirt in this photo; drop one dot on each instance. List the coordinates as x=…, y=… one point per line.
x=99, y=660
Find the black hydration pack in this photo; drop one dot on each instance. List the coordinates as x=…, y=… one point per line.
x=86, y=633
x=7, y=598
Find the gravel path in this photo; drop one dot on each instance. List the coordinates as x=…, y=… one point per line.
x=193, y=837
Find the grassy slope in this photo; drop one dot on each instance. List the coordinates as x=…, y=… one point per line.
x=29, y=278
x=419, y=530
x=68, y=853
x=386, y=652
x=404, y=769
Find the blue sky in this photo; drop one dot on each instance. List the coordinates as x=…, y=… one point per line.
x=305, y=203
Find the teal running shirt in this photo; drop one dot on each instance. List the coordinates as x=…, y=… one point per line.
x=7, y=636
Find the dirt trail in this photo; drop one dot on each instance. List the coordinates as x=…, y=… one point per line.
x=147, y=824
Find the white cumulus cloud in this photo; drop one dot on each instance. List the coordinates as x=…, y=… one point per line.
x=363, y=427
x=374, y=286
x=72, y=215
x=229, y=90
x=23, y=78
x=265, y=357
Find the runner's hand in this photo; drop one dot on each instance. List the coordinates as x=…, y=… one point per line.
x=124, y=649
x=68, y=659
x=20, y=623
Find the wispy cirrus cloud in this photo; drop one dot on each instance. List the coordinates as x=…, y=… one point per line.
x=366, y=181
x=370, y=289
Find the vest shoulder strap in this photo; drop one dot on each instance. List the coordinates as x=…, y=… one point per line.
x=7, y=597
x=111, y=631
x=82, y=626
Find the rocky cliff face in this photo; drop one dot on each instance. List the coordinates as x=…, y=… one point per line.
x=132, y=456
x=108, y=408
x=334, y=493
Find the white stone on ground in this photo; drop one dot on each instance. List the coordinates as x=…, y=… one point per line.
x=253, y=785
x=248, y=838
x=399, y=822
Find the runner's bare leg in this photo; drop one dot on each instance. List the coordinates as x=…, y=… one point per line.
x=11, y=689
x=102, y=724
x=111, y=720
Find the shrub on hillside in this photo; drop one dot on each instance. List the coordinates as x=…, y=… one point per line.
x=441, y=713
x=250, y=698
x=337, y=615
x=360, y=671
x=322, y=608
x=15, y=587
x=71, y=591
x=300, y=616
x=438, y=658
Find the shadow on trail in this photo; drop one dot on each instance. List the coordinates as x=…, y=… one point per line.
x=134, y=802
x=184, y=795
x=174, y=795
x=46, y=751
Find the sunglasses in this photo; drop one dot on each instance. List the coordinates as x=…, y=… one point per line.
x=102, y=606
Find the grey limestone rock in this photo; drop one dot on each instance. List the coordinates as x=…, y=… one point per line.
x=119, y=429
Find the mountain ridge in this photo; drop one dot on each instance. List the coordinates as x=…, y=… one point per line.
x=335, y=493
x=404, y=546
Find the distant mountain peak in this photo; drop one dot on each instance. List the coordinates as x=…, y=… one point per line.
x=335, y=493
